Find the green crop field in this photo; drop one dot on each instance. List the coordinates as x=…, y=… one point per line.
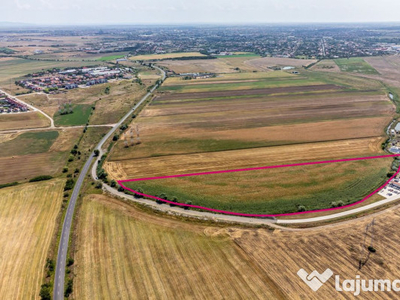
x=111, y=57
x=277, y=190
x=355, y=65
x=29, y=143
x=80, y=116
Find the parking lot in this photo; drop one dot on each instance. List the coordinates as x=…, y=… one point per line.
x=392, y=189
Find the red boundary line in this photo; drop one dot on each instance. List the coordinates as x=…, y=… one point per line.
x=260, y=168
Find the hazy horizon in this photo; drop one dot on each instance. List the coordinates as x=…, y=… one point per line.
x=176, y=12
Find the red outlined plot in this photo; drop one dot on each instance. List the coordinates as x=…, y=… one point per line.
x=120, y=182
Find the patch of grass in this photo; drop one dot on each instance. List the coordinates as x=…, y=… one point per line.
x=29, y=143
x=355, y=65
x=80, y=116
x=110, y=57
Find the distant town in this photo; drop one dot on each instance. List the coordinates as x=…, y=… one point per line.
x=301, y=41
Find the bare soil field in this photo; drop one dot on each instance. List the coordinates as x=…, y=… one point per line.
x=119, y=235
x=388, y=67
x=266, y=63
x=146, y=257
x=28, y=219
x=23, y=121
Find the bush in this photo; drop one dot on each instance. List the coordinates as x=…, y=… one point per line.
x=68, y=289
x=301, y=208
x=45, y=292
x=66, y=195
x=113, y=183
x=371, y=249
x=8, y=184
x=71, y=158
x=76, y=171
x=189, y=203
x=96, y=152
x=70, y=261
x=139, y=190
x=69, y=185
x=65, y=170
x=98, y=185
x=115, y=137
x=120, y=189
x=41, y=178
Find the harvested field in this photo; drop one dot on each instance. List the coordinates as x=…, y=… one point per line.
x=290, y=88
x=198, y=66
x=28, y=155
x=146, y=257
x=388, y=67
x=338, y=247
x=23, y=121
x=220, y=123
x=117, y=234
x=236, y=159
x=165, y=56
x=28, y=219
x=266, y=63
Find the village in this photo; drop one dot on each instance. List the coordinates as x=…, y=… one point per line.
x=8, y=105
x=53, y=81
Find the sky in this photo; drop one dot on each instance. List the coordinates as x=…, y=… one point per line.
x=74, y=12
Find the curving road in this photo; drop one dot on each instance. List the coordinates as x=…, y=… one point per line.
x=31, y=107
x=58, y=291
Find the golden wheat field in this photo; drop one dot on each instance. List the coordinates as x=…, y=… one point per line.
x=126, y=253
x=27, y=220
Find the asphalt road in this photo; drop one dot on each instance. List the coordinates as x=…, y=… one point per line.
x=58, y=291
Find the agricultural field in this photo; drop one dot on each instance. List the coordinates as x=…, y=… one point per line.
x=232, y=63
x=23, y=121
x=355, y=65
x=28, y=215
x=274, y=191
x=128, y=243
x=30, y=154
x=147, y=257
x=165, y=56
x=327, y=65
x=244, y=120
x=388, y=67
x=80, y=116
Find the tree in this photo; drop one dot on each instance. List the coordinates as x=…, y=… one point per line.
x=65, y=169
x=113, y=183
x=115, y=137
x=96, y=152
x=45, y=292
